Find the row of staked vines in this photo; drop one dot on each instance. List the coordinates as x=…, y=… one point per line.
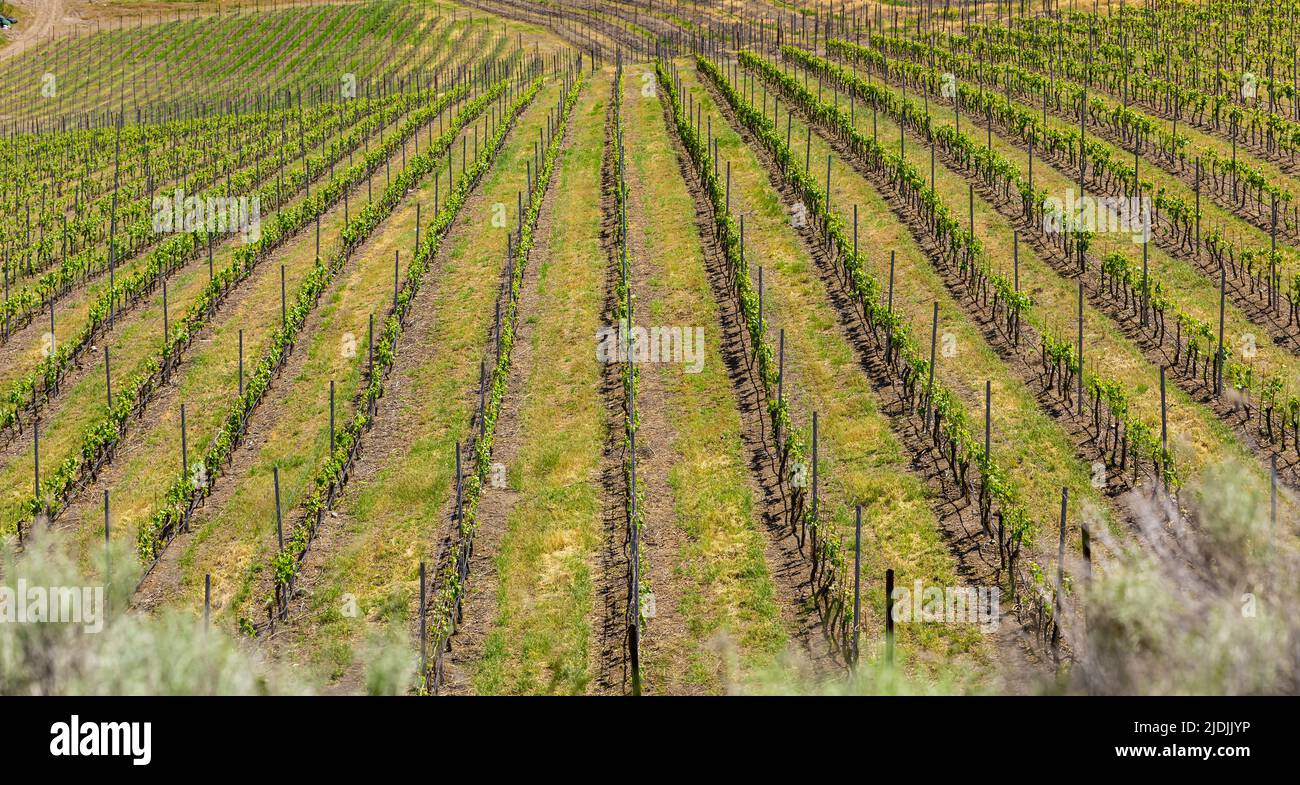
x=27, y=393
x=946, y=423
x=184, y=494
x=1146, y=301
x=638, y=589
x=829, y=563
x=100, y=439
x=444, y=613
x=1241, y=188
x=331, y=476
x=1059, y=356
x=124, y=226
x=1055, y=44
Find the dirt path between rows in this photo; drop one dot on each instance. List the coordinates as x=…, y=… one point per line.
x=37, y=20
x=666, y=646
